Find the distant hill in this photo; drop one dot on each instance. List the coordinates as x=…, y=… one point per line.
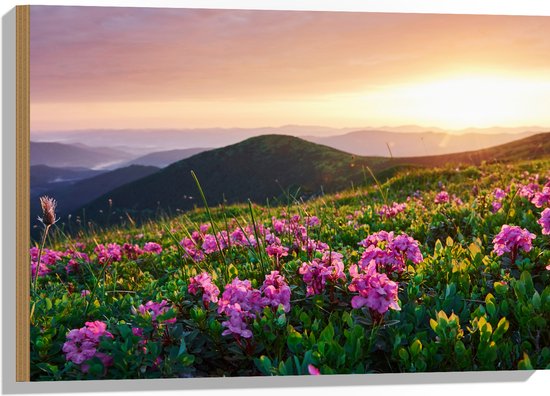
x=257, y=168
x=43, y=174
x=264, y=167
x=62, y=155
x=144, y=141
x=162, y=159
x=73, y=196
x=44, y=178
x=412, y=144
x=529, y=148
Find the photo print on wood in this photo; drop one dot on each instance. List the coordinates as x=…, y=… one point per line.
x=243, y=193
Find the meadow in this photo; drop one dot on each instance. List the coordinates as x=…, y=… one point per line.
x=444, y=269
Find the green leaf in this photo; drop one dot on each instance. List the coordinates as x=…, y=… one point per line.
x=525, y=363
x=403, y=354
x=536, y=300
x=294, y=340
x=500, y=288
x=490, y=304
x=416, y=348
x=328, y=333
x=528, y=281
x=233, y=271
x=502, y=327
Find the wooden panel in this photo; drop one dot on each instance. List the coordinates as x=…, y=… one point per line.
x=22, y=193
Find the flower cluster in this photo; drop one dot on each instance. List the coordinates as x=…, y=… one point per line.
x=498, y=196
x=276, y=291
x=528, y=191
x=152, y=247
x=108, y=254
x=240, y=303
x=82, y=344
x=544, y=221
x=203, y=283
x=541, y=198
x=131, y=251
x=376, y=291
x=154, y=310
x=48, y=259
x=441, y=197
x=512, y=239
x=393, y=210
x=317, y=272
x=388, y=252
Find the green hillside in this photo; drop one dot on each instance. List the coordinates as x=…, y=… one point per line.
x=272, y=166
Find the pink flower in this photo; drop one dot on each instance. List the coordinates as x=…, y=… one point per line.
x=312, y=221
x=393, y=210
x=276, y=250
x=240, y=303
x=541, y=198
x=499, y=194
x=279, y=225
x=132, y=251
x=48, y=259
x=312, y=246
x=209, y=245
x=192, y=250
x=276, y=291
x=154, y=309
x=75, y=258
x=512, y=239
x=85, y=293
x=389, y=252
x=313, y=370
x=544, y=221
x=82, y=344
x=495, y=206
x=106, y=255
x=376, y=291
x=318, y=272
x=203, y=283
x=528, y=191
x=237, y=322
x=152, y=247
x=441, y=197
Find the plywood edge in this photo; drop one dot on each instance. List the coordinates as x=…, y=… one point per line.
x=22, y=15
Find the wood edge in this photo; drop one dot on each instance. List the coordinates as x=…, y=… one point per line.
x=22, y=16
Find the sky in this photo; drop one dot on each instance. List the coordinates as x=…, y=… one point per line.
x=123, y=68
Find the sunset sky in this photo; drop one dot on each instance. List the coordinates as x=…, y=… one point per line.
x=120, y=68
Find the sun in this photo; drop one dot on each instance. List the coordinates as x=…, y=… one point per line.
x=473, y=101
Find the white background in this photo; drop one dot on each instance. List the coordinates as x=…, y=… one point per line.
x=539, y=382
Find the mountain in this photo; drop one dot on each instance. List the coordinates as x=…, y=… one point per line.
x=73, y=196
x=413, y=144
x=67, y=155
x=257, y=168
x=162, y=159
x=143, y=141
x=529, y=148
x=265, y=167
x=43, y=175
x=44, y=178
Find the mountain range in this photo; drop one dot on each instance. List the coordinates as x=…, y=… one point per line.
x=72, y=196
x=139, y=142
x=273, y=166
x=412, y=144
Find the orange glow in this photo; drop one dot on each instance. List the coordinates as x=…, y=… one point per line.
x=160, y=68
